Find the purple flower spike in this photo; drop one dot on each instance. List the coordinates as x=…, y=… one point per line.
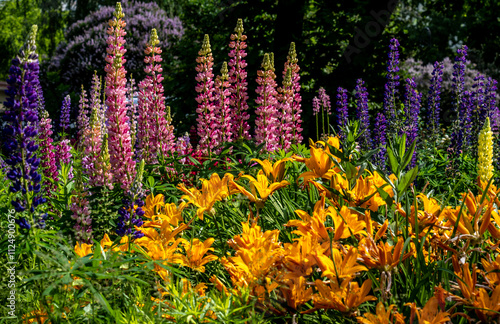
x=65, y=114
x=22, y=128
x=434, y=99
x=342, y=109
x=363, y=115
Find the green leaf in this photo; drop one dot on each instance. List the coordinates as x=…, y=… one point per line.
x=408, y=155
x=407, y=178
x=392, y=160
x=402, y=145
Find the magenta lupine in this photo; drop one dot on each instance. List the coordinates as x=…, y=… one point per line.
x=120, y=146
x=83, y=113
x=223, y=119
x=239, y=84
x=327, y=108
x=316, y=108
x=63, y=155
x=285, y=113
x=296, y=106
x=266, y=122
x=155, y=133
x=205, y=98
x=47, y=155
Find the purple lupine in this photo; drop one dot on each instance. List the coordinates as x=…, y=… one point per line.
x=460, y=108
x=380, y=140
x=83, y=113
x=22, y=129
x=131, y=211
x=291, y=129
x=327, y=108
x=184, y=147
x=316, y=108
x=412, y=108
x=239, y=84
x=342, y=109
x=363, y=115
x=391, y=88
x=120, y=146
x=223, y=122
x=458, y=79
x=491, y=102
x=47, y=155
x=466, y=129
x=479, y=110
x=434, y=99
x=65, y=114
x=266, y=123
x=205, y=98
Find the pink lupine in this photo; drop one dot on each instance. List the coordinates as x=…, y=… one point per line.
x=92, y=142
x=63, y=155
x=132, y=111
x=205, y=98
x=294, y=125
x=83, y=113
x=102, y=175
x=47, y=155
x=81, y=212
x=155, y=133
x=222, y=124
x=120, y=146
x=239, y=84
x=285, y=113
x=184, y=147
x=266, y=123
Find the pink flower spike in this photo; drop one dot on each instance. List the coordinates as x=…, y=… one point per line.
x=120, y=146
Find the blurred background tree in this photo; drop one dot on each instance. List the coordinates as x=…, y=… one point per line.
x=337, y=41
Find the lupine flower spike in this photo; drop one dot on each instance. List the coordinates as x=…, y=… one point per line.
x=83, y=113
x=266, y=122
x=391, y=89
x=22, y=129
x=434, y=98
x=47, y=155
x=412, y=108
x=237, y=79
x=155, y=134
x=342, y=110
x=223, y=122
x=132, y=111
x=292, y=123
x=485, y=153
x=205, y=99
x=285, y=112
x=65, y=114
x=363, y=115
x=120, y=146
x=81, y=211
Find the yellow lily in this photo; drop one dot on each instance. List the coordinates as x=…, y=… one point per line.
x=83, y=249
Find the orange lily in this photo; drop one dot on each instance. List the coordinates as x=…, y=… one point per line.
x=261, y=186
x=212, y=190
x=83, y=249
x=381, y=257
x=487, y=308
x=382, y=316
x=347, y=223
x=296, y=292
x=492, y=270
x=430, y=314
x=275, y=172
x=345, y=298
x=315, y=224
x=195, y=254
x=340, y=267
